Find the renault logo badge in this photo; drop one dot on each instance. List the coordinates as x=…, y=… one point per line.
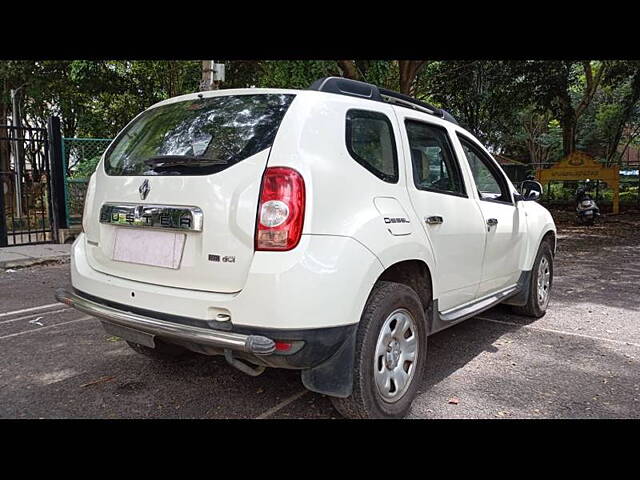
x=144, y=189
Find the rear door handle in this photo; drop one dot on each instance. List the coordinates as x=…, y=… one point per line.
x=434, y=220
x=492, y=222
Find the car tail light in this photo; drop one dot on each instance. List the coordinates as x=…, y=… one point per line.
x=281, y=209
x=282, y=346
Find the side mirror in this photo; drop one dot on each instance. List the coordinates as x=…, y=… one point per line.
x=531, y=190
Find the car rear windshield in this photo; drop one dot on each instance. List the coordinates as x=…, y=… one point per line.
x=197, y=137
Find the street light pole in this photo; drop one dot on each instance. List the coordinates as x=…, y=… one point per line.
x=212, y=75
x=17, y=150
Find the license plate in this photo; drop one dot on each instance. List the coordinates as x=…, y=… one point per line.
x=148, y=247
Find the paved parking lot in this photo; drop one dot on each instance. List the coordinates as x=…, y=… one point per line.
x=582, y=360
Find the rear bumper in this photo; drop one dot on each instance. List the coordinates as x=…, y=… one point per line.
x=310, y=347
x=310, y=297
x=322, y=283
x=253, y=344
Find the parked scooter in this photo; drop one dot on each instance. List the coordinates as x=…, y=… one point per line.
x=586, y=209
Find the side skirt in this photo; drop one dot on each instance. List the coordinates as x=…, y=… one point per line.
x=514, y=295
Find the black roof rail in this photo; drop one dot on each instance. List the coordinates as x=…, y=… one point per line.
x=355, y=88
x=346, y=86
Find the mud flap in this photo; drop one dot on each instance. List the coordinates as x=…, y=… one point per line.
x=334, y=377
x=524, y=287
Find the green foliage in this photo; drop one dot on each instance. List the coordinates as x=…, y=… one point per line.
x=613, y=110
x=564, y=193
x=499, y=101
x=302, y=73
x=85, y=168
x=95, y=98
x=295, y=73
x=82, y=155
x=484, y=96
x=536, y=136
x=380, y=72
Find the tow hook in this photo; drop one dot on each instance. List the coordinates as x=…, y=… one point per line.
x=243, y=367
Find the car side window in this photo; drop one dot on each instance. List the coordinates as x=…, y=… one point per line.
x=370, y=141
x=490, y=184
x=435, y=167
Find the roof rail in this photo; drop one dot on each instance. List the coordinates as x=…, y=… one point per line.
x=355, y=88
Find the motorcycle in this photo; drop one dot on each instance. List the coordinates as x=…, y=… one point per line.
x=586, y=209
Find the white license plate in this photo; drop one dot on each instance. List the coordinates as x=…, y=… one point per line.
x=148, y=247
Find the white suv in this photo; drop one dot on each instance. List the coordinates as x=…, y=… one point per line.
x=329, y=230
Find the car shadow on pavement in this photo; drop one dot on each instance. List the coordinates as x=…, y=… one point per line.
x=201, y=386
x=531, y=374
x=82, y=372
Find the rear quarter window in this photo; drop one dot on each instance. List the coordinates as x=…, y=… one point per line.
x=371, y=143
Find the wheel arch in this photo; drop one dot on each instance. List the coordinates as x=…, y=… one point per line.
x=548, y=233
x=414, y=273
x=407, y=262
x=550, y=236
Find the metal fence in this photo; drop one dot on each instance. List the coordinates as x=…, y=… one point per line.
x=80, y=155
x=26, y=215
x=517, y=173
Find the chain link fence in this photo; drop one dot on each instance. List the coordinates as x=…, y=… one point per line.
x=80, y=155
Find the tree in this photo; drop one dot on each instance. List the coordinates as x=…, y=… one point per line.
x=565, y=88
x=512, y=106
x=484, y=96
x=629, y=72
x=349, y=69
x=295, y=73
x=540, y=134
x=409, y=70
x=407, y=73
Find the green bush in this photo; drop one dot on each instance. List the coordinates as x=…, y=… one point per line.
x=85, y=168
x=563, y=193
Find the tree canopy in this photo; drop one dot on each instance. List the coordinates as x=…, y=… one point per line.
x=534, y=111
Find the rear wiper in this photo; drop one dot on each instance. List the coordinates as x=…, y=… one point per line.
x=178, y=160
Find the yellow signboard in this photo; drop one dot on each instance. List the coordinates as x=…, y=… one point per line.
x=580, y=166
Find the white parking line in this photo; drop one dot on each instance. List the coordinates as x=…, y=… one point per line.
x=563, y=332
x=44, y=328
x=281, y=405
x=26, y=317
x=32, y=309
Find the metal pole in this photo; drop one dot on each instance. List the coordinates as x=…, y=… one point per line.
x=207, y=75
x=213, y=83
x=58, y=174
x=212, y=75
x=3, y=225
x=15, y=119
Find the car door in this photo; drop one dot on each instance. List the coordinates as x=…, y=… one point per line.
x=451, y=219
x=504, y=221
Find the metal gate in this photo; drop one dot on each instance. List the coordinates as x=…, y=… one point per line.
x=26, y=214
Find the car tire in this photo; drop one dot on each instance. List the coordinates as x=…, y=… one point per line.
x=542, y=267
x=163, y=351
x=391, y=327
